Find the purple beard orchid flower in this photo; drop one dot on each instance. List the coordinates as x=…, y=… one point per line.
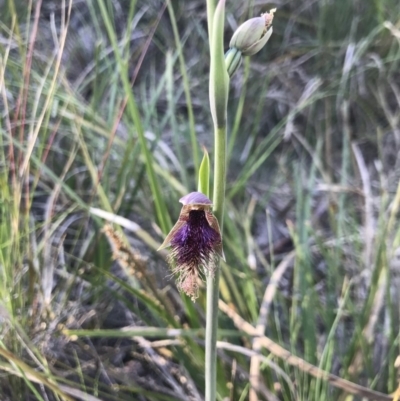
x=196, y=242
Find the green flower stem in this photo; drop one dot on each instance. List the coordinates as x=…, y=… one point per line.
x=219, y=83
x=211, y=335
x=219, y=174
x=213, y=281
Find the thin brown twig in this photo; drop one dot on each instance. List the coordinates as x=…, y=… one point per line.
x=269, y=295
x=299, y=363
x=267, y=361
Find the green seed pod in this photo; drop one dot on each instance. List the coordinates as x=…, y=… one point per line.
x=253, y=34
x=233, y=59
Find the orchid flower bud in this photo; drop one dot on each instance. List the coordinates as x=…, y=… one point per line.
x=233, y=59
x=253, y=34
x=195, y=241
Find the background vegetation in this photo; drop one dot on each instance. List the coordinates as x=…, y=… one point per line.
x=104, y=110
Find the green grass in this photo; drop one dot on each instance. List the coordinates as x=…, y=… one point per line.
x=106, y=108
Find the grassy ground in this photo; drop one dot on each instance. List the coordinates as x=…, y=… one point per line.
x=90, y=175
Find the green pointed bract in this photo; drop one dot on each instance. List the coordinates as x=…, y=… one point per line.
x=219, y=78
x=204, y=174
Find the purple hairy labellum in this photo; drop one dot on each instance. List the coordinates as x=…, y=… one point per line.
x=195, y=242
